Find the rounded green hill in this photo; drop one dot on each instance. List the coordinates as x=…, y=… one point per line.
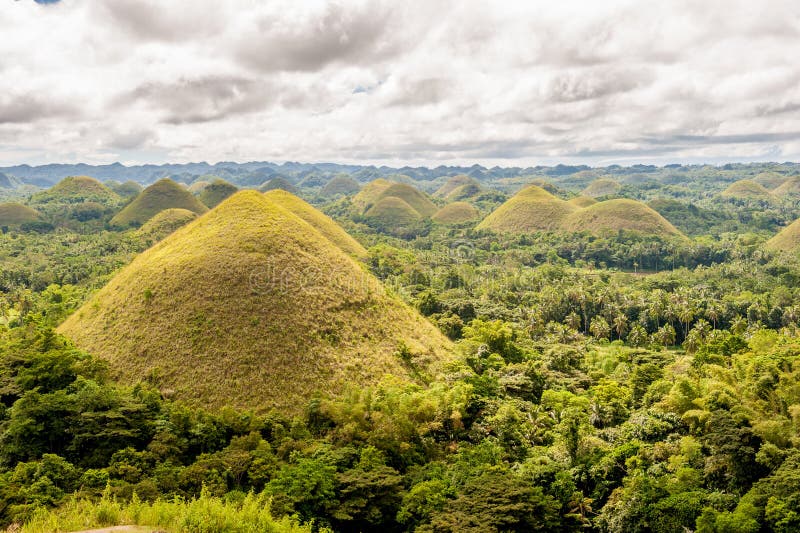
x=163, y=194
x=278, y=183
x=418, y=201
x=621, y=214
x=198, y=186
x=340, y=186
x=370, y=193
x=318, y=220
x=531, y=209
x=747, y=190
x=770, y=179
x=454, y=183
x=392, y=212
x=77, y=189
x=128, y=189
x=215, y=192
x=456, y=213
x=602, y=187
x=14, y=214
x=165, y=222
x=250, y=306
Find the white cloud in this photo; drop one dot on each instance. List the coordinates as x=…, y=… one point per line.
x=420, y=82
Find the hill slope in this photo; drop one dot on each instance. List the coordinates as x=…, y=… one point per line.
x=341, y=185
x=622, y=214
x=418, y=201
x=318, y=220
x=77, y=189
x=278, y=184
x=602, y=187
x=454, y=183
x=13, y=214
x=392, y=212
x=582, y=201
x=370, y=193
x=165, y=222
x=787, y=240
x=215, y=192
x=790, y=187
x=163, y=194
x=531, y=209
x=250, y=306
x=456, y=213
x=747, y=190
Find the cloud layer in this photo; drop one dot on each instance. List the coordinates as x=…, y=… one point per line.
x=420, y=82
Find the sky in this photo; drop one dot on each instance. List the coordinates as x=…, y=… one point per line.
x=418, y=82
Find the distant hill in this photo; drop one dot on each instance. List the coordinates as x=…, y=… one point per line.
x=418, y=201
x=769, y=179
x=163, y=194
x=341, y=186
x=77, y=189
x=456, y=213
x=602, y=187
x=582, y=201
x=370, y=193
x=392, y=212
x=129, y=189
x=454, y=183
x=14, y=214
x=318, y=220
x=787, y=240
x=531, y=209
x=278, y=183
x=165, y=222
x=621, y=214
x=215, y=192
x=6, y=181
x=747, y=190
x=790, y=187
x=250, y=306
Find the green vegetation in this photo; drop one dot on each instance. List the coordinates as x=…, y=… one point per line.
x=370, y=194
x=411, y=196
x=456, y=213
x=391, y=213
x=77, y=189
x=279, y=311
x=163, y=194
x=602, y=187
x=458, y=183
x=215, y=192
x=788, y=188
x=569, y=379
x=126, y=190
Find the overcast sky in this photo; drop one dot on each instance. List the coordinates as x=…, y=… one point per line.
x=417, y=82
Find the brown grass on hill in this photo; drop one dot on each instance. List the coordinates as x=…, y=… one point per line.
x=14, y=214
x=787, y=240
x=165, y=222
x=582, y=201
x=454, y=183
x=790, y=187
x=392, y=212
x=319, y=220
x=747, y=190
x=602, y=187
x=215, y=192
x=370, y=193
x=76, y=189
x=252, y=307
x=531, y=209
x=621, y=214
x=456, y=213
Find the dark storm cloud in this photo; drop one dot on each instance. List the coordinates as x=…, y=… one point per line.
x=336, y=34
x=203, y=99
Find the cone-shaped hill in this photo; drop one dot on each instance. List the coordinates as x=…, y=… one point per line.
x=454, y=183
x=531, y=209
x=198, y=186
x=602, y=187
x=787, y=240
x=163, y=194
x=215, y=192
x=14, y=214
x=747, y=190
x=278, y=183
x=770, y=180
x=319, y=220
x=77, y=189
x=392, y=212
x=622, y=214
x=370, y=193
x=165, y=222
x=341, y=186
x=252, y=307
x=582, y=201
x=456, y=213
x=418, y=201
x=129, y=189
x=790, y=187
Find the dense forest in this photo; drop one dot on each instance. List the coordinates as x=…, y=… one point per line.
x=601, y=378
